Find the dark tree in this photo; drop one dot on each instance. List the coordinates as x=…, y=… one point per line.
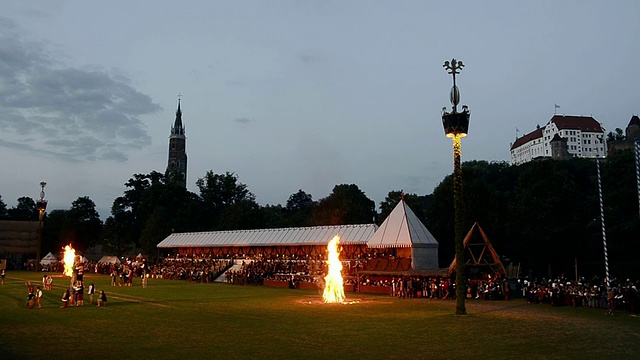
x=218, y=192
x=25, y=210
x=618, y=135
x=54, y=233
x=347, y=204
x=242, y=215
x=298, y=209
x=84, y=222
x=620, y=196
x=4, y=214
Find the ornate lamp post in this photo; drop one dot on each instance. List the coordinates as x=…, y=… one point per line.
x=456, y=125
x=41, y=205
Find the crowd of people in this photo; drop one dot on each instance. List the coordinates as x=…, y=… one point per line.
x=71, y=296
x=595, y=293
x=198, y=270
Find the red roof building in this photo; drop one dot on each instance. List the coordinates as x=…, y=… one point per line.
x=585, y=138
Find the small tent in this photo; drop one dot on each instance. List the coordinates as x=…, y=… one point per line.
x=109, y=260
x=402, y=229
x=49, y=259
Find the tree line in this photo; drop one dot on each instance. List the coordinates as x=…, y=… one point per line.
x=543, y=215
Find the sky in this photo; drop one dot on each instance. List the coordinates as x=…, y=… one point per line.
x=292, y=95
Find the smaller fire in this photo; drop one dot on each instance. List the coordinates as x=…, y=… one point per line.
x=69, y=260
x=333, y=289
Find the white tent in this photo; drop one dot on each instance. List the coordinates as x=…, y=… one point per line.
x=109, y=260
x=402, y=229
x=49, y=259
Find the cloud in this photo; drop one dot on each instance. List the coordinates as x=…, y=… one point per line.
x=309, y=59
x=82, y=114
x=243, y=122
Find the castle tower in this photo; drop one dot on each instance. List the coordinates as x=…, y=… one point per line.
x=177, y=165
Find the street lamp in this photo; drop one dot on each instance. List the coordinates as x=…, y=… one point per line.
x=41, y=205
x=456, y=126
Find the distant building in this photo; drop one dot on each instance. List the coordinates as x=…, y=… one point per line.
x=18, y=242
x=177, y=164
x=631, y=132
x=563, y=137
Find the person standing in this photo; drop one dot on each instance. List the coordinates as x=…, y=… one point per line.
x=30, y=295
x=39, y=297
x=91, y=291
x=79, y=293
x=2, y=274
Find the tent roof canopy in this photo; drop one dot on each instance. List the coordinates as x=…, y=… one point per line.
x=314, y=235
x=402, y=228
x=49, y=259
x=109, y=260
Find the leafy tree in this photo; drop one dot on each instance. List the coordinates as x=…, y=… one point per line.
x=620, y=197
x=4, y=214
x=156, y=228
x=54, y=232
x=84, y=221
x=347, y=204
x=242, y=215
x=275, y=216
x=298, y=209
x=618, y=135
x=218, y=192
x=116, y=240
x=130, y=212
x=25, y=210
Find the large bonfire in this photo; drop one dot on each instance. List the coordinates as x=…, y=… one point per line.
x=69, y=260
x=333, y=289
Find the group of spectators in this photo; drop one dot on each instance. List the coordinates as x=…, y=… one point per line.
x=594, y=293
x=256, y=271
x=616, y=296
x=199, y=269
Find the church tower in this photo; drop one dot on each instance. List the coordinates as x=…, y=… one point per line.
x=177, y=165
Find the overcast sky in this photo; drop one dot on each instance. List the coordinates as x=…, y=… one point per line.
x=294, y=94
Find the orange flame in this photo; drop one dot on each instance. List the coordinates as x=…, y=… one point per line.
x=68, y=260
x=333, y=289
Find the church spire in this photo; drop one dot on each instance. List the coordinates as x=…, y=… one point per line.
x=178, y=128
x=177, y=164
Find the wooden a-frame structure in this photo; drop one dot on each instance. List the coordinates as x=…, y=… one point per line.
x=479, y=254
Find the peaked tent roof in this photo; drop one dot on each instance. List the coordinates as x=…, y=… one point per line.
x=402, y=228
x=49, y=259
x=109, y=260
x=479, y=252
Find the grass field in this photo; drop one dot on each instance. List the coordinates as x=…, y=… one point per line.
x=178, y=320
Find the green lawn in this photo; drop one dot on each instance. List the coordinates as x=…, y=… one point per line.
x=178, y=320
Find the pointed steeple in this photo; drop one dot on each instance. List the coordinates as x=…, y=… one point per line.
x=178, y=128
x=177, y=165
